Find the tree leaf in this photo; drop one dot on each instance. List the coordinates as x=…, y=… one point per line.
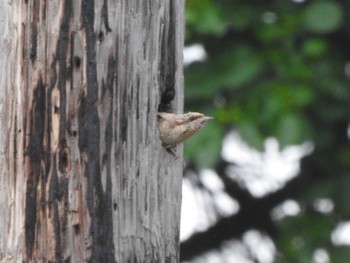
x=323, y=16
x=204, y=147
x=292, y=129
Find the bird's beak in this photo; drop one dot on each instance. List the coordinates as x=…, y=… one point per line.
x=207, y=118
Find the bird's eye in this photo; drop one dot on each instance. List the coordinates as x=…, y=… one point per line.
x=192, y=118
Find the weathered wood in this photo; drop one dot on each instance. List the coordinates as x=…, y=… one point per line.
x=83, y=174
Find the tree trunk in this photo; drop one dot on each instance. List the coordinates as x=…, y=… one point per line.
x=83, y=176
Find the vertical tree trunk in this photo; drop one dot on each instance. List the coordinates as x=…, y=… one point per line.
x=83, y=174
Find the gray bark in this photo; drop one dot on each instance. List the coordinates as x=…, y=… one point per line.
x=83, y=175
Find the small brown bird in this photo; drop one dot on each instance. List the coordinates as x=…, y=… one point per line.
x=176, y=128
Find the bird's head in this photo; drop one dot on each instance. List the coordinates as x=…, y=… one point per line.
x=175, y=128
x=195, y=120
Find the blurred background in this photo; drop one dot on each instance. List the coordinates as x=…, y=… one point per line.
x=268, y=180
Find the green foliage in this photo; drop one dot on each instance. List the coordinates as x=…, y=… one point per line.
x=323, y=16
x=229, y=68
x=276, y=68
x=292, y=129
x=304, y=233
x=267, y=65
x=314, y=47
x=340, y=254
x=209, y=152
x=206, y=17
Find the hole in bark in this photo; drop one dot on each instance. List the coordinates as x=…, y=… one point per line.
x=115, y=206
x=77, y=61
x=167, y=98
x=76, y=229
x=64, y=161
x=100, y=36
x=72, y=132
x=32, y=55
x=56, y=109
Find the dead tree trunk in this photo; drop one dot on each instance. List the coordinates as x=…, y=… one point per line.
x=83, y=176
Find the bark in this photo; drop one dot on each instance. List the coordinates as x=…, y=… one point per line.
x=83, y=176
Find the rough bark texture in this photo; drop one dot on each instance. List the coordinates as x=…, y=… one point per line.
x=83, y=176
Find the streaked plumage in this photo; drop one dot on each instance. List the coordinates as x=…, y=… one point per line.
x=176, y=128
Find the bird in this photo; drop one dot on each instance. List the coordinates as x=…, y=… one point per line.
x=176, y=128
